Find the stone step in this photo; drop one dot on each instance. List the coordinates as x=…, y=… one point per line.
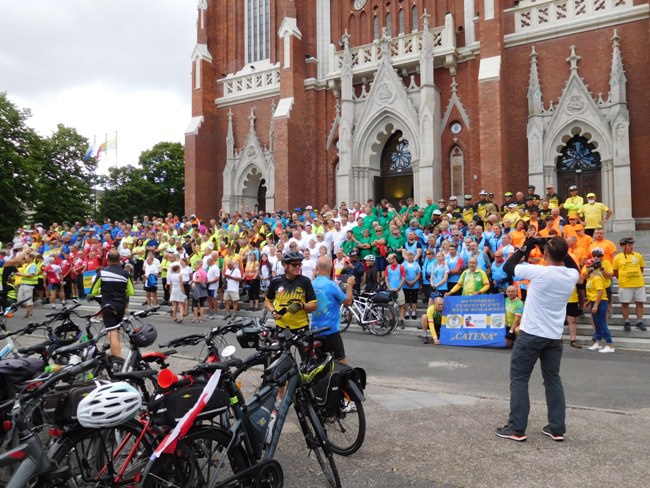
x=619, y=342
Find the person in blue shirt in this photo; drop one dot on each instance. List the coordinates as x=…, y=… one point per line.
x=329, y=298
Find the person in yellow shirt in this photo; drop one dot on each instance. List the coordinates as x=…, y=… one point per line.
x=628, y=268
x=432, y=321
x=597, y=298
x=592, y=214
x=574, y=203
x=473, y=281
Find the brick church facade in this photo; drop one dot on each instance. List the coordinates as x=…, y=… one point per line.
x=298, y=102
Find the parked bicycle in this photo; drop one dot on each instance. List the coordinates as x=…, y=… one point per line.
x=372, y=311
x=242, y=455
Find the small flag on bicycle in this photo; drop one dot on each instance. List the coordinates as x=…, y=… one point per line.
x=168, y=445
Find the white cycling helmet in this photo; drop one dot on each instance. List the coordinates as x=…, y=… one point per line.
x=370, y=257
x=109, y=405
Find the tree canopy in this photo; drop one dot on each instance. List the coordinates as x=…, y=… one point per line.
x=48, y=179
x=154, y=188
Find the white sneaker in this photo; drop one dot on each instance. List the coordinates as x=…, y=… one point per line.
x=607, y=349
x=350, y=408
x=595, y=347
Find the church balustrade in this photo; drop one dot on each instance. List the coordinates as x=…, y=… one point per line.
x=404, y=51
x=530, y=16
x=250, y=84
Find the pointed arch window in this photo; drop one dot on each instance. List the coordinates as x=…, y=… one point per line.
x=258, y=30
x=396, y=156
x=389, y=25
x=375, y=27
x=457, y=170
x=578, y=154
x=414, y=18
x=402, y=21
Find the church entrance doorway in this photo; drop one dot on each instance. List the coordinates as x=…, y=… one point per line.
x=579, y=164
x=396, y=179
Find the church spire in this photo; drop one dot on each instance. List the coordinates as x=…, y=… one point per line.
x=573, y=60
x=617, y=79
x=534, y=89
x=230, y=138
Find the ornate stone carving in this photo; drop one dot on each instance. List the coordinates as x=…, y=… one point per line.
x=385, y=94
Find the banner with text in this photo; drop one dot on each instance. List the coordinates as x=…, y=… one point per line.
x=88, y=279
x=477, y=320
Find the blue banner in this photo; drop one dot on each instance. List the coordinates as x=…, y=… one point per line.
x=477, y=320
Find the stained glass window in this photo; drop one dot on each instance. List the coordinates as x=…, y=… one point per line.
x=578, y=153
x=396, y=156
x=258, y=33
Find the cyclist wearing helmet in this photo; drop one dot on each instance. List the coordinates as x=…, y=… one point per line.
x=291, y=296
x=114, y=286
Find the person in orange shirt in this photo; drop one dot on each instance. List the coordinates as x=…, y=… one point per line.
x=570, y=228
x=582, y=239
x=518, y=236
x=546, y=231
x=580, y=256
x=606, y=245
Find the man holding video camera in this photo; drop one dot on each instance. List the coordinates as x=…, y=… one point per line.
x=540, y=334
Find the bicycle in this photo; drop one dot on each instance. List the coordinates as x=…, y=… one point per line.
x=372, y=311
x=23, y=452
x=243, y=454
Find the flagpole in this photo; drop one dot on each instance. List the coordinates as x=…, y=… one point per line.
x=115, y=149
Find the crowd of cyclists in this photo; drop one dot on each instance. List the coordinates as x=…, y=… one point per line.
x=416, y=252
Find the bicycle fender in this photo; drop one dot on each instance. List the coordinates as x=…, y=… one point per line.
x=354, y=391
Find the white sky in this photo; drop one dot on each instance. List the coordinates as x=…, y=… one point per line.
x=101, y=67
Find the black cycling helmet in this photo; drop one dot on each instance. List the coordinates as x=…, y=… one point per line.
x=144, y=336
x=291, y=256
x=66, y=333
x=627, y=240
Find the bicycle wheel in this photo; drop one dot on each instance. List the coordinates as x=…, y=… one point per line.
x=382, y=319
x=104, y=457
x=316, y=440
x=346, y=427
x=346, y=318
x=197, y=461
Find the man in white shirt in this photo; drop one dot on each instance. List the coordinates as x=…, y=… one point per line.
x=540, y=335
x=232, y=275
x=213, y=286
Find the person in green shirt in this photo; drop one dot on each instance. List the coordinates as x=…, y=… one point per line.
x=428, y=210
x=365, y=244
x=395, y=242
x=349, y=243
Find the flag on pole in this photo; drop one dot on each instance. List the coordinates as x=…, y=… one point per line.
x=104, y=147
x=89, y=153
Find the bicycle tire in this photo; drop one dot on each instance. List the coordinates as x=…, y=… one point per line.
x=382, y=320
x=92, y=454
x=345, y=427
x=346, y=318
x=194, y=463
x=316, y=440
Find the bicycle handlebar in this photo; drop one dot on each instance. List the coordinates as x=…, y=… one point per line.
x=63, y=312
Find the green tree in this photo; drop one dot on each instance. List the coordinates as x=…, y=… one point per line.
x=65, y=188
x=164, y=166
x=126, y=194
x=155, y=188
x=20, y=148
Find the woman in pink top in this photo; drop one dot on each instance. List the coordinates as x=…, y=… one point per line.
x=199, y=291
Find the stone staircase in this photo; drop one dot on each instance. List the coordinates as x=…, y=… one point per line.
x=634, y=339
